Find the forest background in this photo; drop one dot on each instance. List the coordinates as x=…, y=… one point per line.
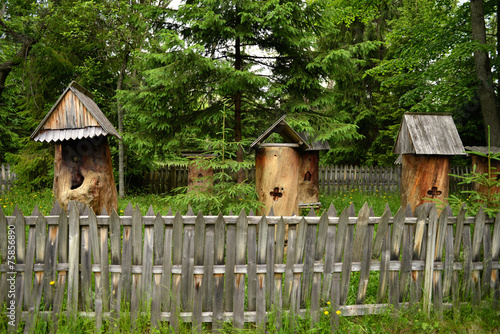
x=186, y=77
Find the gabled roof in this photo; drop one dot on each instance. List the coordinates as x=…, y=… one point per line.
x=482, y=149
x=75, y=115
x=428, y=134
x=282, y=128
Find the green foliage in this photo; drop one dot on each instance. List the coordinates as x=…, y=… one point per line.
x=488, y=197
x=34, y=166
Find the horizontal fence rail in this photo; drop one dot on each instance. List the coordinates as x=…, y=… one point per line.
x=331, y=178
x=7, y=178
x=214, y=269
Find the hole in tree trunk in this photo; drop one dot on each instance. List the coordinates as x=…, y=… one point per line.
x=76, y=181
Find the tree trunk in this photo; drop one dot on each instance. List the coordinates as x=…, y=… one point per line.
x=486, y=90
x=237, y=114
x=7, y=66
x=121, y=153
x=83, y=172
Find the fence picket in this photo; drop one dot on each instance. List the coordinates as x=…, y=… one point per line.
x=196, y=247
x=116, y=259
x=199, y=246
x=366, y=240
x=261, y=277
x=494, y=279
x=476, y=253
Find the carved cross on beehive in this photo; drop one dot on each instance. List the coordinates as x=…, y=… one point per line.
x=276, y=193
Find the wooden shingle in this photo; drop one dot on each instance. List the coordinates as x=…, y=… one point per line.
x=428, y=134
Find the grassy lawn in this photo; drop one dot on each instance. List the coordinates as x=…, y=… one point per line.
x=27, y=200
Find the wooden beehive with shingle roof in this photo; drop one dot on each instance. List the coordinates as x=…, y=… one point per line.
x=83, y=170
x=287, y=174
x=426, y=141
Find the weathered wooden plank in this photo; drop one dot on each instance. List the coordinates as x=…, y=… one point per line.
x=147, y=267
x=218, y=295
x=448, y=261
x=177, y=246
x=270, y=253
x=329, y=256
x=126, y=277
x=199, y=246
x=74, y=257
x=479, y=226
x=487, y=261
x=158, y=250
x=187, y=275
x=62, y=250
x=406, y=259
x=166, y=276
x=104, y=261
x=85, y=269
x=467, y=255
x=261, y=278
x=380, y=237
x=278, y=277
x=208, y=268
x=309, y=253
x=116, y=281
x=136, y=237
x=346, y=265
x=494, y=280
x=290, y=261
x=229, y=277
x=418, y=254
x=299, y=259
x=455, y=288
x=239, y=282
x=364, y=275
x=318, y=259
x=96, y=257
x=252, y=267
x=397, y=236
x=30, y=285
x=438, y=257
x=429, y=259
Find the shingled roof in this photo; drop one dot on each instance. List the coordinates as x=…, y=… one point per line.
x=428, y=134
x=75, y=115
x=282, y=128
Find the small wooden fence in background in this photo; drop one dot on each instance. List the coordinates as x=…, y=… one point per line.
x=215, y=269
x=7, y=178
x=331, y=178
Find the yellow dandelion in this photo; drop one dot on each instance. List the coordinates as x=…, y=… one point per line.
x=328, y=303
x=338, y=312
x=326, y=312
x=52, y=283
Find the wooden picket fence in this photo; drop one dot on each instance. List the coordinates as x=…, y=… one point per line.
x=7, y=178
x=331, y=178
x=215, y=269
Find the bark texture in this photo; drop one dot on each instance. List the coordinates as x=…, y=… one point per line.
x=424, y=177
x=83, y=172
x=486, y=90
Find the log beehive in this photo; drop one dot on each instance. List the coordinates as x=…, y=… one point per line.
x=426, y=142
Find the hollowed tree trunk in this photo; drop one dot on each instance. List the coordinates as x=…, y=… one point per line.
x=83, y=172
